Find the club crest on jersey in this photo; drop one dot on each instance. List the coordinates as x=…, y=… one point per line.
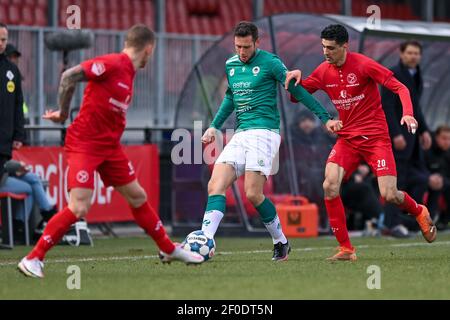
x=256, y=70
x=82, y=176
x=351, y=78
x=232, y=72
x=98, y=68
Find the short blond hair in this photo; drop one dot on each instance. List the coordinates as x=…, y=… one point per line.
x=138, y=36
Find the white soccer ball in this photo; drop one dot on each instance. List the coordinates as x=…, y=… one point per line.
x=197, y=241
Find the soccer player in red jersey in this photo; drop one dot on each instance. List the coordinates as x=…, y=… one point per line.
x=350, y=80
x=93, y=144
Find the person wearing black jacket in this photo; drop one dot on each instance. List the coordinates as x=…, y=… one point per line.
x=438, y=162
x=12, y=133
x=408, y=148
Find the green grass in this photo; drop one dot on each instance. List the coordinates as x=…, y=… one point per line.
x=129, y=269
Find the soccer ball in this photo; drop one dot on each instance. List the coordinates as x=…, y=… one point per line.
x=197, y=241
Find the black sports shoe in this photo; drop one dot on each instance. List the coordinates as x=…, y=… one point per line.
x=281, y=251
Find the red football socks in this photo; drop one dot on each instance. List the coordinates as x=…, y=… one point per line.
x=58, y=225
x=147, y=218
x=338, y=221
x=410, y=205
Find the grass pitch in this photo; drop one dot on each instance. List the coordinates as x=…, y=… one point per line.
x=128, y=268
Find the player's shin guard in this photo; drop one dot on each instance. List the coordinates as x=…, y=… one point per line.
x=338, y=222
x=214, y=213
x=270, y=219
x=58, y=225
x=147, y=218
x=410, y=205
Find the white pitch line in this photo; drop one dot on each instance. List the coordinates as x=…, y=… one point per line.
x=95, y=259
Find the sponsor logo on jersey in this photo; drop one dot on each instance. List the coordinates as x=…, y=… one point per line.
x=232, y=72
x=346, y=103
x=130, y=166
x=123, y=85
x=98, y=68
x=122, y=106
x=332, y=154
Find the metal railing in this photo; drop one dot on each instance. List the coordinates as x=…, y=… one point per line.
x=156, y=88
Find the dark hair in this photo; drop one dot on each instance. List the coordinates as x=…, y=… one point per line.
x=335, y=32
x=2, y=25
x=413, y=43
x=138, y=36
x=441, y=129
x=245, y=28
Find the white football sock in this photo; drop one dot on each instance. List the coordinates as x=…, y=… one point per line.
x=275, y=231
x=211, y=221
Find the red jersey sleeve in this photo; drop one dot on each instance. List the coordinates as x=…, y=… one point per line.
x=97, y=69
x=385, y=77
x=376, y=71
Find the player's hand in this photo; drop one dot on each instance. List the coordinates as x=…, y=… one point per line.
x=411, y=123
x=294, y=74
x=17, y=145
x=334, y=125
x=55, y=116
x=209, y=136
x=399, y=142
x=425, y=140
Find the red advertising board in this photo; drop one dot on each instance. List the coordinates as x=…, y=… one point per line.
x=107, y=205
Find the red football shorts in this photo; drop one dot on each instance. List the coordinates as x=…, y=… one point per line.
x=113, y=166
x=376, y=151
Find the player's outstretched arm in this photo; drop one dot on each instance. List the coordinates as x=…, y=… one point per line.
x=303, y=96
x=67, y=86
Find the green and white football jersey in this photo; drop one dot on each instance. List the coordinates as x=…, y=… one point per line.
x=252, y=93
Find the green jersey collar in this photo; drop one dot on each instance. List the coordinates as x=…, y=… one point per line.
x=252, y=58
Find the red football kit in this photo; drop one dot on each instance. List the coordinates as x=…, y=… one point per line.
x=93, y=144
x=353, y=90
x=93, y=139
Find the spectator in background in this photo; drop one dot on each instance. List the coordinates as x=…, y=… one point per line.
x=359, y=194
x=13, y=55
x=12, y=133
x=311, y=146
x=408, y=152
x=20, y=180
x=438, y=162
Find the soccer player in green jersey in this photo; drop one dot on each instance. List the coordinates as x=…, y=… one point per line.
x=252, y=76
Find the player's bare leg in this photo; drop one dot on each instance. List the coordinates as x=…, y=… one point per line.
x=147, y=218
x=254, y=186
x=389, y=191
x=336, y=212
x=79, y=204
x=223, y=176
